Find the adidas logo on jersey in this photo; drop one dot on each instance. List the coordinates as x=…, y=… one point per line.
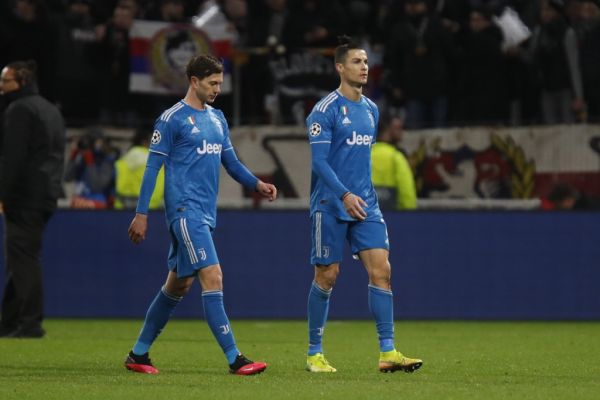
x=209, y=148
x=195, y=130
x=346, y=121
x=359, y=140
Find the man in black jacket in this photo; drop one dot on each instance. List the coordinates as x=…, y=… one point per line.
x=31, y=171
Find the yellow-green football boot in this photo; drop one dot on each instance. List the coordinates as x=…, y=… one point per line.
x=392, y=361
x=318, y=363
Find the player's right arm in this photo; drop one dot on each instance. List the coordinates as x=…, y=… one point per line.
x=160, y=147
x=139, y=225
x=320, y=128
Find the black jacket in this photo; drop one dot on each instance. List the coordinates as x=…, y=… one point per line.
x=33, y=147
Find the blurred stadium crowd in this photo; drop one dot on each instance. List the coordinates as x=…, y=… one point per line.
x=435, y=62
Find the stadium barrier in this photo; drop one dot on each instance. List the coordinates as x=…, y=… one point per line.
x=446, y=265
x=468, y=168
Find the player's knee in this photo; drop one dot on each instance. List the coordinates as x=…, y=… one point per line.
x=326, y=276
x=178, y=290
x=381, y=275
x=211, y=278
x=213, y=283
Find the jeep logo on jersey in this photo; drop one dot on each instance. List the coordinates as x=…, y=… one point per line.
x=315, y=129
x=358, y=139
x=155, y=137
x=209, y=148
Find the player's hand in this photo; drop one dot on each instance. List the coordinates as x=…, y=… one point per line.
x=1, y=208
x=266, y=190
x=137, y=229
x=354, y=206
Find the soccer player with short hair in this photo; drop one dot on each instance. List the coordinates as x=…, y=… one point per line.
x=191, y=140
x=343, y=205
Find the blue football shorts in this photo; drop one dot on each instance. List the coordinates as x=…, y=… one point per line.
x=329, y=232
x=192, y=247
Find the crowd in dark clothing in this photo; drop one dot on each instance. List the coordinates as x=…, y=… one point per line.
x=436, y=62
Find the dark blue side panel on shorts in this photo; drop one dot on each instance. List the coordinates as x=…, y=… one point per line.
x=446, y=265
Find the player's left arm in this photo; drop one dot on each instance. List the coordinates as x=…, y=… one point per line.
x=375, y=110
x=241, y=174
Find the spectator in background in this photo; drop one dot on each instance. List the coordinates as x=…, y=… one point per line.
x=453, y=14
x=31, y=171
x=236, y=13
x=561, y=197
x=419, y=54
x=130, y=172
x=391, y=172
x=564, y=196
x=29, y=31
x=360, y=15
x=172, y=11
x=79, y=64
x=134, y=6
x=589, y=51
x=483, y=79
x=114, y=51
x=314, y=24
x=554, y=49
x=264, y=33
x=91, y=166
x=268, y=21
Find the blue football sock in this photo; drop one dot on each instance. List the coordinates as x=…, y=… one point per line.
x=158, y=315
x=382, y=307
x=217, y=320
x=318, y=307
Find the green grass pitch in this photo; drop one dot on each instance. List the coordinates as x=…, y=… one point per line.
x=82, y=359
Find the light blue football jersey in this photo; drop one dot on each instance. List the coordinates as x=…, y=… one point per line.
x=193, y=141
x=348, y=128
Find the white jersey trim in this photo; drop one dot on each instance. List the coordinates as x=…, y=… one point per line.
x=321, y=141
x=188, y=241
x=318, y=234
x=159, y=152
x=323, y=104
x=167, y=114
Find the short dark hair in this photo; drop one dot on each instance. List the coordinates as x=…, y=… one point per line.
x=203, y=65
x=25, y=71
x=346, y=43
